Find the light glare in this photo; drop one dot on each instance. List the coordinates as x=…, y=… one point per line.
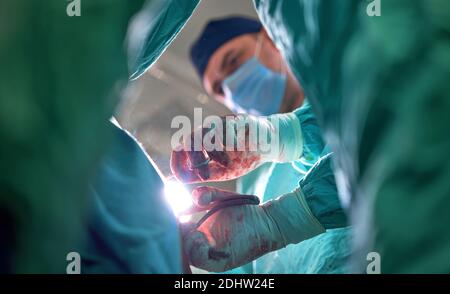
x=178, y=197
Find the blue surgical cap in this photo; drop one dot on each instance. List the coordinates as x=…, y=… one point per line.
x=216, y=33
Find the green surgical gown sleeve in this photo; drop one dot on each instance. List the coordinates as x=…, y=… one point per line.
x=313, y=143
x=155, y=28
x=379, y=88
x=319, y=188
x=61, y=80
x=319, y=185
x=131, y=228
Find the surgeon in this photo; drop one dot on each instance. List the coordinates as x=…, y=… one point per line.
x=233, y=236
x=241, y=67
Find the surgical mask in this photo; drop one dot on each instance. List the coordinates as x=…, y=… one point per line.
x=255, y=89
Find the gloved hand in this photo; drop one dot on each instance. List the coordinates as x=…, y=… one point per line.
x=235, y=235
x=236, y=145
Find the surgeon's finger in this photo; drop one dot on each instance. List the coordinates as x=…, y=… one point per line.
x=201, y=196
x=202, y=254
x=180, y=167
x=214, y=145
x=203, y=199
x=205, y=196
x=197, y=248
x=198, y=162
x=220, y=157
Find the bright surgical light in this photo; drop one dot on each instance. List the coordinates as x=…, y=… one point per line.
x=178, y=197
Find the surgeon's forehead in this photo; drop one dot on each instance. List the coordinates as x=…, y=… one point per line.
x=214, y=68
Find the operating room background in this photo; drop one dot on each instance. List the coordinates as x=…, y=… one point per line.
x=172, y=87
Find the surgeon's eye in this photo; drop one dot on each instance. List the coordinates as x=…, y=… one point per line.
x=233, y=64
x=234, y=61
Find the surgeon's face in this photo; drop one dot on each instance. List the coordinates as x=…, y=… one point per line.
x=228, y=58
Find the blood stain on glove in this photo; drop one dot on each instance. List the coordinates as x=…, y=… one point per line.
x=217, y=255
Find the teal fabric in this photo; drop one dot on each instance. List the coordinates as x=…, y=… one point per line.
x=379, y=87
x=313, y=142
x=313, y=37
x=157, y=26
x=318, y=185
x=131, y=228
x=319, y=188
x=61, y=79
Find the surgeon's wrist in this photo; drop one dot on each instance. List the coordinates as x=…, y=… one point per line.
x=293, y=218
x=290, y=139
